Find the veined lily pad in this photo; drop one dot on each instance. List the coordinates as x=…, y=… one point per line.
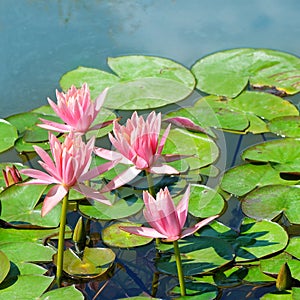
x=94, y=262
x=288, y=126
x=198, y=254
x=242, y=179
x=8, y=135
x=202, y=149
x=205, y=202
x=4, y=266
x=282, y=151
x=283, y=295
x=228, y=72
x=269, y=201
x=116, y=237
x=143, y=82
x=19, y=205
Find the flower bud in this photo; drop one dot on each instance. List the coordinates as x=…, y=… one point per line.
x=284, y=278
x=11, y=175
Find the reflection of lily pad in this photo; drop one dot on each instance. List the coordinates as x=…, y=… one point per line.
x=143, y=82
x=115, y=237
x=228, y=72
x=94, y=262
x=270, y=201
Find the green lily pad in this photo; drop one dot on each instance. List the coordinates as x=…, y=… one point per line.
x=270, y=201
x=196, y=290
x=205, y=202
x=264, y=105
x=115, y=237
x=255, y=239
x=69, y=292
x=4, y=266
x=228, y=72
x=144, y=82
x=198, y=254
x=8, y=135
x=293, y=248
x=282, y=151
x=120, y=208
x=27, y=251
x=259, y=239
x=242, y=179
x=94, y=262
x=23, y=287
x=202, y=149
x=19, y=205
x=288, y=126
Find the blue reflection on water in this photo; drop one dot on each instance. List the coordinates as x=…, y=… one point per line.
x=41, y=40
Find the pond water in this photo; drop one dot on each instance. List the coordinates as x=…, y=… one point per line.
x=41, y=40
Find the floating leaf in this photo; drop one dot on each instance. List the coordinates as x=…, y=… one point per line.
x=94, y=262
x=8, y=135
x=288, y=126
x=144, y=82
x=115, y=237
x=23, y=287
x=120, y=208
x=280, y=151
x=19, y=205
x=198, y=254
x=4, y=266
x=205, y=202
x=242, y=179
x=228, y=72
x=270, y=201
x=203, y=149
x=69, y=292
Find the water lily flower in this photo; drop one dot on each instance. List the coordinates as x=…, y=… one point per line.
x=68, y=169
x=11, y=175
x=166, y=219
x=77, y=110
x=137, y=144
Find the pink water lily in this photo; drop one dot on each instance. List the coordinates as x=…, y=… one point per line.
x=77, y=110
x=68, y=169
x=166, y=219
x=11, y=175
x=137, y=144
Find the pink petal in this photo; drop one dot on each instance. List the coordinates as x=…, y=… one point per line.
x=100, y=99
x=43, y=178
x=111, y=155
x=182, y=207
x=191, y=230
x=162, y=169
x=121, y=179
x=50, y=125
x=91, y=193
x=143, y=231
x=163, y=140
x=54, y=196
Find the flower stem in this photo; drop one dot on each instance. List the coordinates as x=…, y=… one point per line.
x=61, y=239
x=150, y=184
x=179, y=268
